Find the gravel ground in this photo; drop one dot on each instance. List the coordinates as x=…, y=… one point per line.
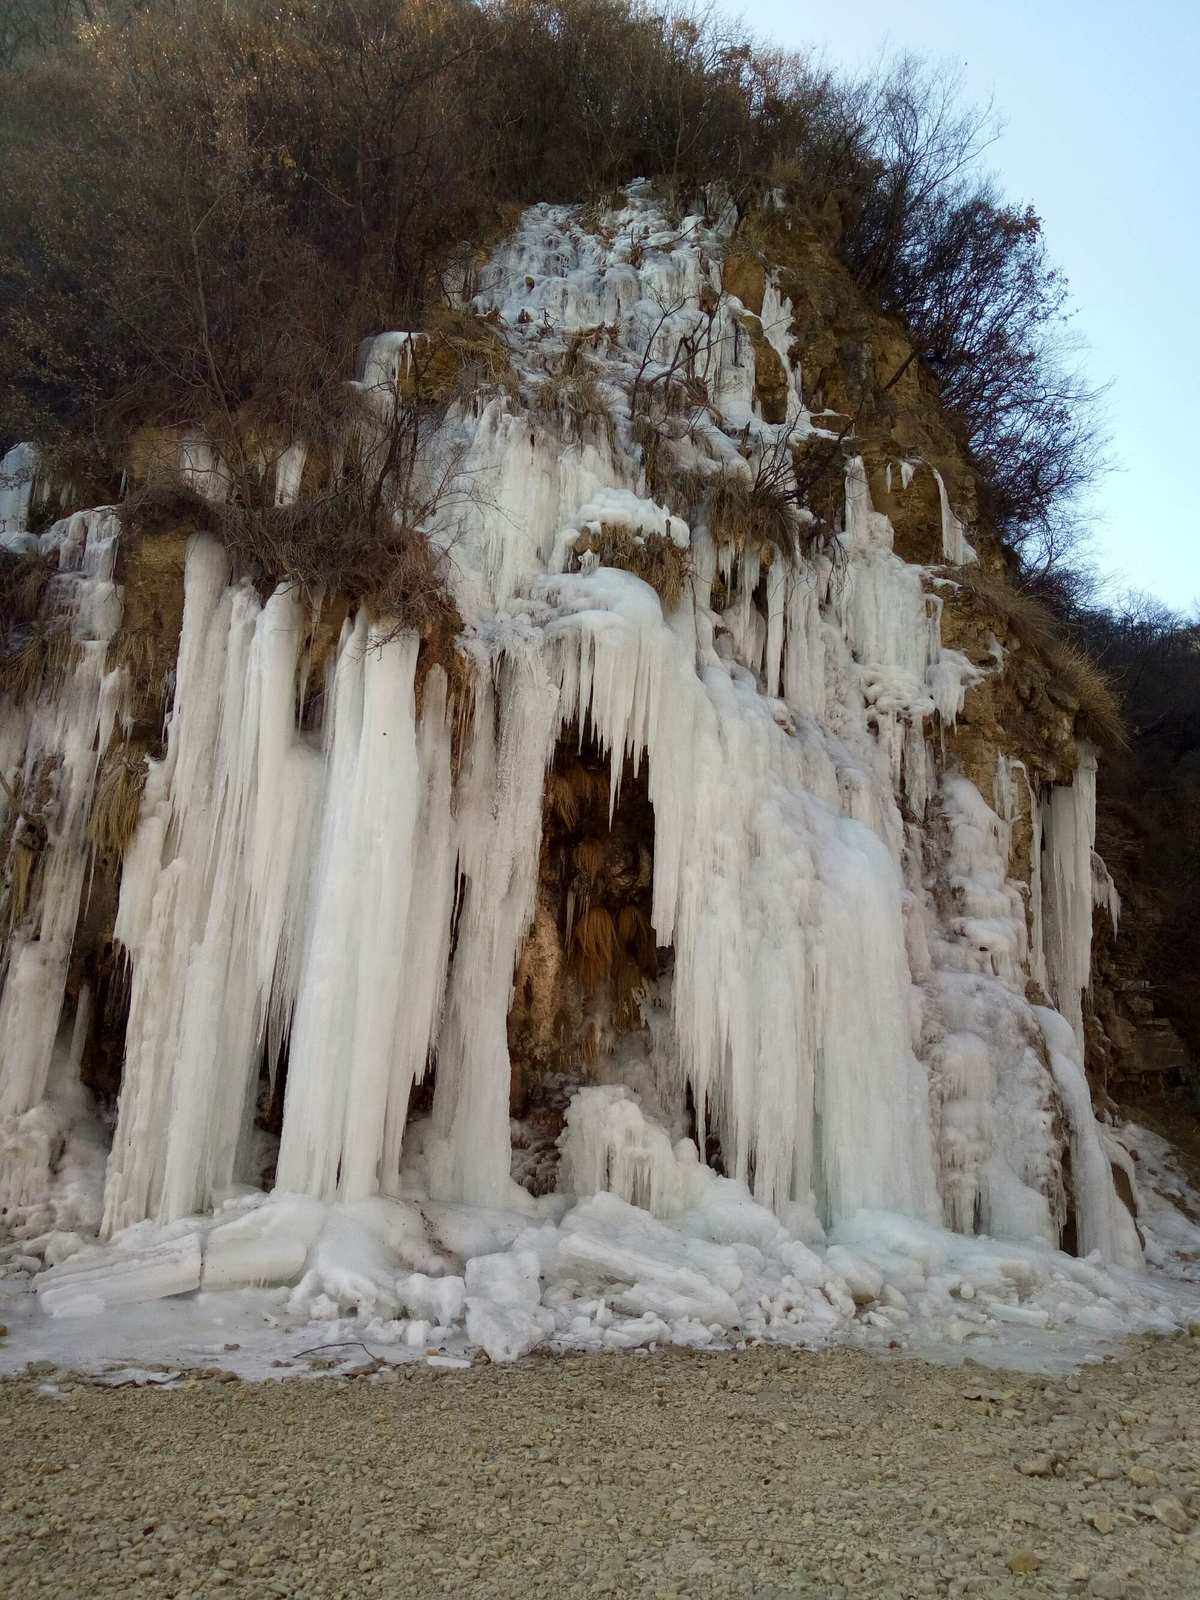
x=766, y=1475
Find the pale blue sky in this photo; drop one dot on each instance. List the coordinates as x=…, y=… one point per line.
x=1102, y=107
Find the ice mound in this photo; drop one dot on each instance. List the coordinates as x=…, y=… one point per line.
x=719, y=1270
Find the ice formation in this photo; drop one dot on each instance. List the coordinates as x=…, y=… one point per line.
x=848, y=1022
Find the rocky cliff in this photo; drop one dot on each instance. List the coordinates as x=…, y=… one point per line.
x=729, y=820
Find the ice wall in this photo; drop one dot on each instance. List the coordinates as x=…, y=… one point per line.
x=1069, y=839
x=57, y=748
x=847, y=1012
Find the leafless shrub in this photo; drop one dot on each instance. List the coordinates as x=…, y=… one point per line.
x=201, y=221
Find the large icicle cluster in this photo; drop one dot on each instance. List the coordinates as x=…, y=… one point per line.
x=846, y=1007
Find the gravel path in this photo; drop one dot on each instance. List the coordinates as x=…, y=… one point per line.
x=768, y=1474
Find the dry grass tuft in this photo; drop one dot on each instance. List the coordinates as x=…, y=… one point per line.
x=1018, y=613
x=36, y=646
x=573, y=397
x=149, y=667
x=752, y=515
x=1023, y=617
x=1101, y=718
x=465, y=353
x=655, y=559
x=117, y=801
x=23, y=861
x=41, y=662
x=23, y=583
x=678, y=488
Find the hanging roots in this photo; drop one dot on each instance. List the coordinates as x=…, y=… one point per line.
x=571, y=792
x=117, y=802
x=562, y=798
x=638, y=936
x=589, y=856
x=629, y=981
x=595, y=940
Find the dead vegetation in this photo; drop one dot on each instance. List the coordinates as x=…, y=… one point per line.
x=37, y=649
x=1017, y=613
x=148, y=661
x=599, y=874
x=23, y=582
x=465, y=355
x=1100, y=715
x=29, y=801
x=356, y=530
x=572, y=396
x=116, y=802
x=1076, y=676
x=282, y=237
x=751, y=512
x=653, y=557
x=43, y=661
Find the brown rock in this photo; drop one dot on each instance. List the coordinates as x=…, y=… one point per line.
x=745, y=277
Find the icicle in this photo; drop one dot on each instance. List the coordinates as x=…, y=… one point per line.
x=1103, y=1222
x=386, y=853
x=427, y=939
x=790, y=996
x=1070, y=837
x=499, y=833
x=210, y=897
x=955, y=548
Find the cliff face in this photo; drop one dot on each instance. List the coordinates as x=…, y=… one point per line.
x=749, y=807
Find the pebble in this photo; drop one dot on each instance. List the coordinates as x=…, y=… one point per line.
x=1172, y=1513
x=542, y=1480
x=1107, y=1588
x=1023, y=1561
